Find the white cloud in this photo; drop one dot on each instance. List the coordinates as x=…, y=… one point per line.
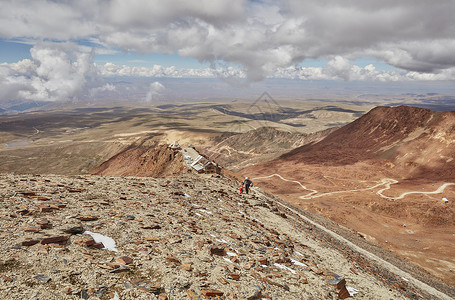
x=155, y=90
x=240, y=38
x=110, y=70
x=56, y=72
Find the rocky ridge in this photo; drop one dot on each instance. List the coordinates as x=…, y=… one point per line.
x=190, y=237
x=259, y=145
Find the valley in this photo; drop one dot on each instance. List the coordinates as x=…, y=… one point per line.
x=385, y=174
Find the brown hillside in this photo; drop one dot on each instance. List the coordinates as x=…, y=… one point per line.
x=390, y=175
x=364, y=138
x=159, y=161
x=417, y=142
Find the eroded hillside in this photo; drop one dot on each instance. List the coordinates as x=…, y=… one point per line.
x=157, y=161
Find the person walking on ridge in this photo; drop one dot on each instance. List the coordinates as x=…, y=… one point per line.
x=247, y=183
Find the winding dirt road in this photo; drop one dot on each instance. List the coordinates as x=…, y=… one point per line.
x=391, y=267
x=386, y=182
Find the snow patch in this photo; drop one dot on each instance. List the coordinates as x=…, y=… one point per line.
x=116, y=297
x=109, y=243
x=352, y=291
x=284, y=268
x=227, y=259
x=298, y=263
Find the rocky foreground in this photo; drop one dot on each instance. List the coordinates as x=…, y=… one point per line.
x=191, y=237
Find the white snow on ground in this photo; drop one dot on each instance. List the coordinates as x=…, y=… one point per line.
x=227, y=259
x=109, y=243
x=298, y=263
x=352, y=291
x=284, y=268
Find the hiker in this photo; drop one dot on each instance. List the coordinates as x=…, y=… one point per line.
x=247, y=183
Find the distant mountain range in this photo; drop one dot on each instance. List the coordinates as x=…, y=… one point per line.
x=20, y=106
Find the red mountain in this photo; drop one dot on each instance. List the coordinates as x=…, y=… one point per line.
x=417, y=142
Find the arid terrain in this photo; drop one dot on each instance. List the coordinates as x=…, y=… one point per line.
x=386, y=176
x=75, y=140
x=188, y=237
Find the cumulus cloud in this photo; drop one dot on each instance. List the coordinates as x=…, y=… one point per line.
x=254, y=39
x=56, y=72
x=155, y=90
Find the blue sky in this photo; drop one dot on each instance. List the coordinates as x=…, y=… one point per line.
x=60, y=50
x=12, y=51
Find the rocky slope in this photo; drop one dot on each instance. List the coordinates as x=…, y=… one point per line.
x=157, y=161
x=190, y=237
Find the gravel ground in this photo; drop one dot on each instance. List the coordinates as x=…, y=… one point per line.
x=189, y=237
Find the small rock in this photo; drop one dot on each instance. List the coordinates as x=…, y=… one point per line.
x=187, y=267
x=42, y=278
x=6, y=278
x=343, y=293
x=256, y=296
x=55, y=240
x=44, y=224
x=214, y=250
x=163, y=296
x=101, y=291
x=74, y=230
x=43, y=207
x=124, y=260
x=337, y=281
x=147, y=286
x=30, y=243
x=120, y=270
x=192, y=295
x=88, y=218
x=208, y=293
x=33, y=229
x=263, y=260
x=173, y=259
x=84, y=294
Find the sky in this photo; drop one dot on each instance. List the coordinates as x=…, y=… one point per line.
x=53, y=50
